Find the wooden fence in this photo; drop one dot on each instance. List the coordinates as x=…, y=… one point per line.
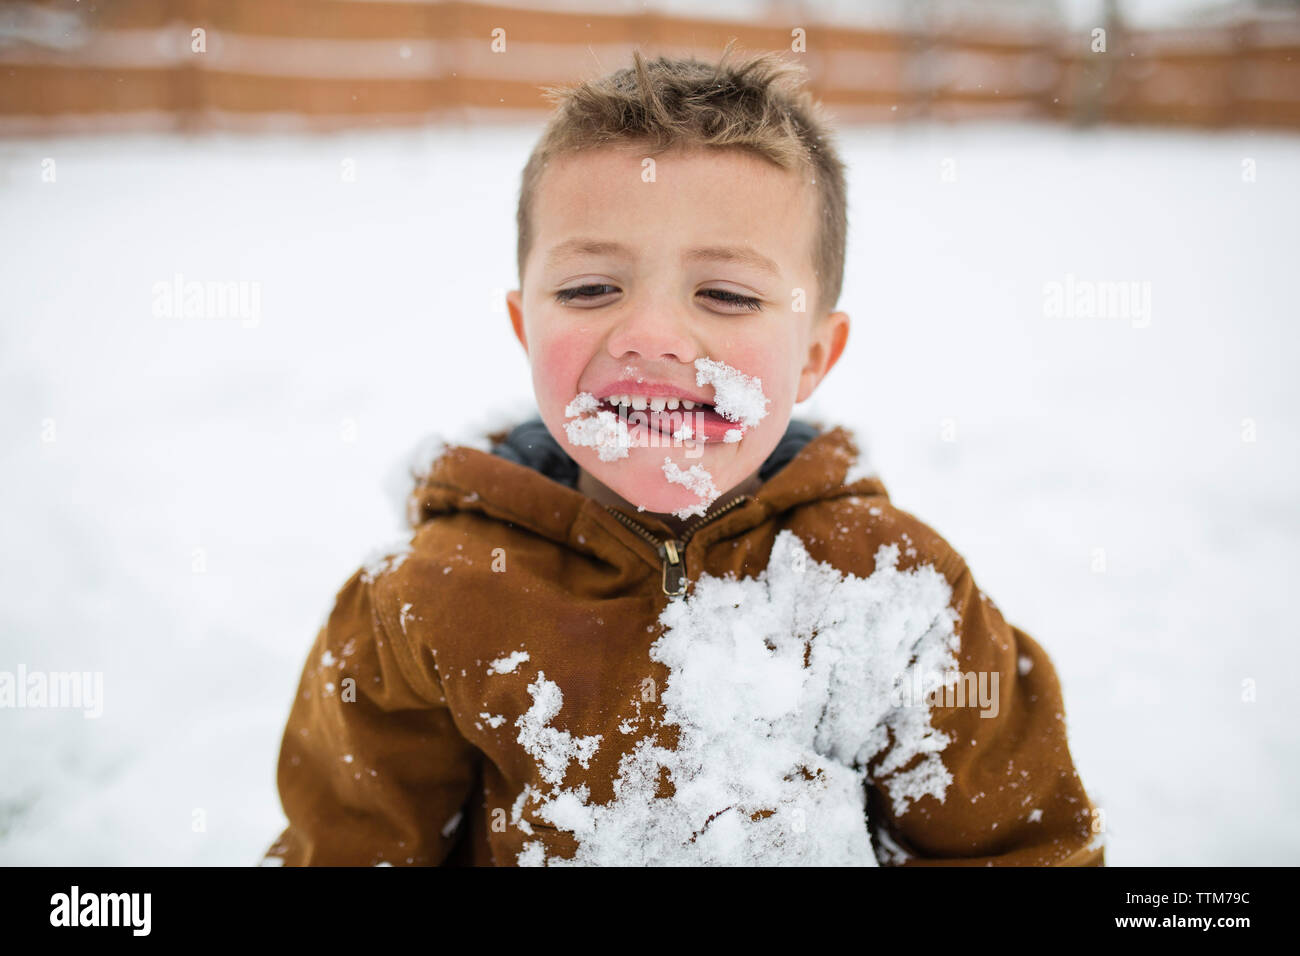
x=326, y=64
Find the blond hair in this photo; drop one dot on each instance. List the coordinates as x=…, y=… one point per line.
x=757, y=104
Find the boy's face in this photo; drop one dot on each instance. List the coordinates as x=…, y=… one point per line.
x=699, y=255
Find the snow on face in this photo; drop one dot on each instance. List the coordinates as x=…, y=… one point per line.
x=696, y=479
x=737, y=397
x=773, y=750
x=604, y=430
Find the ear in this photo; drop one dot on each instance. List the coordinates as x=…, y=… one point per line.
x=515, y=306
x=825, y=349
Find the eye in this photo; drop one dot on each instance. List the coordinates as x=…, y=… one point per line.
x=583, y=292
x=745, y=302
x=596, y=290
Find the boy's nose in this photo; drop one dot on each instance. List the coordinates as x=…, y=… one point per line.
x=651, y=333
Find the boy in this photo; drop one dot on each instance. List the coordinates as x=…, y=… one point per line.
x=662, y=623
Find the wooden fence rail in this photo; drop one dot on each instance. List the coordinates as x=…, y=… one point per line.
x=321, y=64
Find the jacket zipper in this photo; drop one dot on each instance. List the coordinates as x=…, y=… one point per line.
x=672, y=551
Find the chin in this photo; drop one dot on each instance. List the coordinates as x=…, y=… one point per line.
x=642, y=477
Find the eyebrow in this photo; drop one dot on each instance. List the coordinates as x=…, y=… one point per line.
x=598, y=247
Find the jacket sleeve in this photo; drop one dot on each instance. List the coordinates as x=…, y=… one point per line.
x=1014, y=797
x=372, y=768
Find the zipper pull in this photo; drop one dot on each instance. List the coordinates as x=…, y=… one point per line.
x=674, y=570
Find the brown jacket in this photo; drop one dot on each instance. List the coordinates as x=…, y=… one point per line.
x=416, y=738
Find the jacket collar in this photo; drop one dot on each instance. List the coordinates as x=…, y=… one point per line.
x=521, y=475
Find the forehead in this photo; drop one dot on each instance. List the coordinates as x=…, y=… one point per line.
x=681, y=197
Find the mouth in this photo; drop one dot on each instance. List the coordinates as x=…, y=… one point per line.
x=672, y=419
x=646, y=407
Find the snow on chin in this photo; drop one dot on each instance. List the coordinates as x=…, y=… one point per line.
x=737, y=397
x=696, y=479
x=772, y=755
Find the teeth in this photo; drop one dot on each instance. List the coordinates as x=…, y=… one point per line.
x=656, y=403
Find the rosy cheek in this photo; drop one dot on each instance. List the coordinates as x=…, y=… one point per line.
x=558, y=362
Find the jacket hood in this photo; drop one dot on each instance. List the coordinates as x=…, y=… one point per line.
x=518, y=473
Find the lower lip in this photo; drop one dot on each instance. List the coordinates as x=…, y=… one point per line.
x=707, y=426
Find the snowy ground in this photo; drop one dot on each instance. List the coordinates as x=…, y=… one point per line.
x=184, y=496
